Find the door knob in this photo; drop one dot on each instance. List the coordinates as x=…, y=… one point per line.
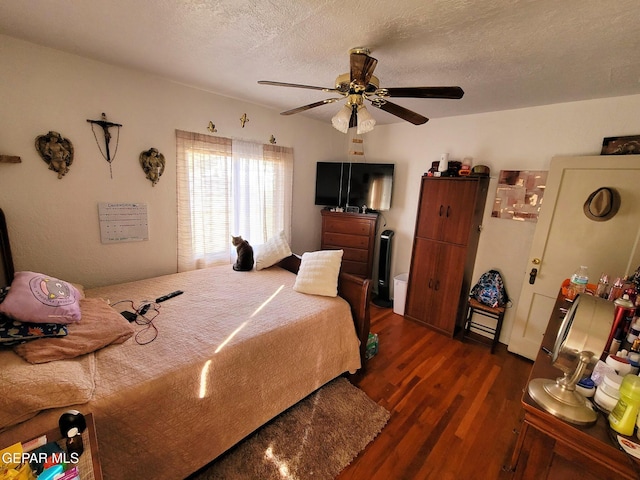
x=532, y=276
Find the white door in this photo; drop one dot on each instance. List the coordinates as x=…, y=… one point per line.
x=565, y=238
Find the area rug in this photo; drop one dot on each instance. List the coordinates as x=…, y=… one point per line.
x=315, y=439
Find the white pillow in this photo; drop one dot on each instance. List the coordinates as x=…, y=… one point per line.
x=318, y=274
x=272, y=252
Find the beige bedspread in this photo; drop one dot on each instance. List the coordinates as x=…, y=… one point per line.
x=233, y=351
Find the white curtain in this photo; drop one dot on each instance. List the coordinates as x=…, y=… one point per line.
x=229, y=188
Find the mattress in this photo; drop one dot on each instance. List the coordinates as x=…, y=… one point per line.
x=229, y=354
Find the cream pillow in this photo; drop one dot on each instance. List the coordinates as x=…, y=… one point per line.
x=272, y=252
x=318, y=274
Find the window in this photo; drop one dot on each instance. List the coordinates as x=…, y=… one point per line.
x=229, y=187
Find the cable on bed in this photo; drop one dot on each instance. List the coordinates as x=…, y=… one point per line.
x=145, y=315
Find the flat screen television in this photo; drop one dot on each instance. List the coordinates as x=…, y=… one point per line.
x=362, y=185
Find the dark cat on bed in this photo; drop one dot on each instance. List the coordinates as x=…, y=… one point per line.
x=244, y=263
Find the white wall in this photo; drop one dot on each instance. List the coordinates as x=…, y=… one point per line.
x=524, y=139
x=54, y=222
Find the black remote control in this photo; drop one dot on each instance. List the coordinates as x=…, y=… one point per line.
x=168, y=296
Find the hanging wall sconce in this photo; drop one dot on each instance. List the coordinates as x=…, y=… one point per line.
x=56, y=151
x=212, y=127
x=272, y=140
x=243, y=119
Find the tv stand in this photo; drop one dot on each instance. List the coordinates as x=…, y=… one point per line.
x=355, y=234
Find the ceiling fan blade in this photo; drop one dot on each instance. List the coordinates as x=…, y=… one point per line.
x=422, y=92
x=312, y=105
x=295, y=85
x=403, y=113
x=362, y=67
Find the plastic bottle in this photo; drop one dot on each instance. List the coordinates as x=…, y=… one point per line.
x=578, y=282
x=634, y=332
x=602, y=290
x=616, y=290
x=624, y=415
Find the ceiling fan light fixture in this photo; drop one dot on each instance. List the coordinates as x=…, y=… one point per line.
x=341, y=119
x=359, y=84
x=365, y=121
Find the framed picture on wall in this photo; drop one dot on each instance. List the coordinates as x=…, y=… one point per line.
x=629, y=145
x=519, y=195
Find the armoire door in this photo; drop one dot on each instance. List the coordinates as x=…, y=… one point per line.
x=434, y=284
x=565, y=238
x=444, y=209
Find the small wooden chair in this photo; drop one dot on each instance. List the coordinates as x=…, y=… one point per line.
x=497, y=313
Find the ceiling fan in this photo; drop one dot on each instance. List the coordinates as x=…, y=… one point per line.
x=360, y=84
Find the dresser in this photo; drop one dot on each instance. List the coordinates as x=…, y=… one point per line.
x=444, y=250
x=550, y=448
x=355, y=234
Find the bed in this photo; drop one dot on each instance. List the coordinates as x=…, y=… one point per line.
x=231, y=353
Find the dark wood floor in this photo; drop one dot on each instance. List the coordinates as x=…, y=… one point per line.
x=454, y=406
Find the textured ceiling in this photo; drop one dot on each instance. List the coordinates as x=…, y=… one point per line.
x=504, y=53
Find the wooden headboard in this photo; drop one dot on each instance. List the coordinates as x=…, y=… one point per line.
x=6, y=260
x=356, y=291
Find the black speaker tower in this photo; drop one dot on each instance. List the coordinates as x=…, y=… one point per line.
x=384, y=270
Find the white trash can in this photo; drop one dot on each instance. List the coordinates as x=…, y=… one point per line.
x=400, y=292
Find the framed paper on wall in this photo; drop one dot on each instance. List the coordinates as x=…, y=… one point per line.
x=519, y=195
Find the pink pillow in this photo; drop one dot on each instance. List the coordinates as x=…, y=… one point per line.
x=39, y=298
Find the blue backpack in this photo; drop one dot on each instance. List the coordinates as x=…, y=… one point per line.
x=490, y=290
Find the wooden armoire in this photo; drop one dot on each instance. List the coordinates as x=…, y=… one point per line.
x=445, y=242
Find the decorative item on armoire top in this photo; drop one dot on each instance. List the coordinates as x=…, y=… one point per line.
x=243, y=119
x=152, y=162
x=211, y=127
x=465, y=168
x=519, y=194
x=56, y=151
x=480, y=171
x=107, y=138
x=629, y=145
x=452, y=170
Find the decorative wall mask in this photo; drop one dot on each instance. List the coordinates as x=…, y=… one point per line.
x=152, y=162
x=56, y=151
